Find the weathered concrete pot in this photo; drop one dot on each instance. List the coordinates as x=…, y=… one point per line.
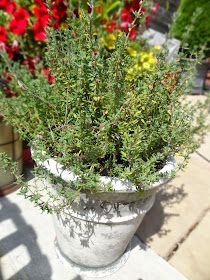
x=95, y=233
x=10, y=144
x=96, y=229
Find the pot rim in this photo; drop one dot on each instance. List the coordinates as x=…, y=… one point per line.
x=118, y=185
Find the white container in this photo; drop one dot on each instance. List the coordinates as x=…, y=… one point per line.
x=96, y=229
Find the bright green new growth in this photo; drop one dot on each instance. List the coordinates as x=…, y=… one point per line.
x=96, y=121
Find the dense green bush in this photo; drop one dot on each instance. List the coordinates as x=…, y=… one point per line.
x=192, y=24
x=103, y=114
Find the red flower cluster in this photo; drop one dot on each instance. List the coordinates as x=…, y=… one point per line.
x=127, y=16
x=59, y=12
x=42, y=16
x=8, y=5
x=31, y=62
x=3, y=34
x=19, y=22
x=48, y=75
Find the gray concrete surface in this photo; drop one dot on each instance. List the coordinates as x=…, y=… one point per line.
x=193, y=256
x=27, y=249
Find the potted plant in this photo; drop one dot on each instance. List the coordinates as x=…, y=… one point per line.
x=104, y=134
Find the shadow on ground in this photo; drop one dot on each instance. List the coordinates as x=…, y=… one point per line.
x=155, y=221
x=23, y=236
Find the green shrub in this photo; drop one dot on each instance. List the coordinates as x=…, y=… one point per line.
x=192, y=24
x=103, y=115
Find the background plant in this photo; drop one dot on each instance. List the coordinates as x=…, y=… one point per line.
x=192, y=24
x=23, y=25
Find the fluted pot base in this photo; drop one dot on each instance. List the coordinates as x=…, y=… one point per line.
x=93, y=271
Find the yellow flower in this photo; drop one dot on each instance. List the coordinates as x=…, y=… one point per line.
x=138, y=66
x=130, y=70
x=31, y=8
x=146, y=65
x=157, y=47
x=109, y=41
x=143, y=56
x=132, y=52
x=64, y=25
x=151, y=60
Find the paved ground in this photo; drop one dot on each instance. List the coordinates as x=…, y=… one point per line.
x=178, y=226
x=27, y=249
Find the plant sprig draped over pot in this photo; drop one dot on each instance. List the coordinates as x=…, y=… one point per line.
x=103, y=115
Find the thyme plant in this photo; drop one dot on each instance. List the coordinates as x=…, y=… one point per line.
x=103, y=115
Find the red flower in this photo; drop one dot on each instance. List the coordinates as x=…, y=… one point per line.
x=147, y=21
x=126, y=19
x=59, y=10
x=18, y=27
x=21, y=14
x=42, y=14
x=110, y=26
x=8, y=5
x=59, y=13
x=3, y=34
x=39, y=2
x=10, y=52
x=143, y=9
x=19, y=22
x=133, y=6
x=132, y=33
x=99, y=9
x=39, y=31
x=155, y=8
x=30, y=63
x=47, y=74
x=3, y=4
x=126, y=16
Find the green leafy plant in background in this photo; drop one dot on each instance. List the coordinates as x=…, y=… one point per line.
x=104, y=115
x=192, y=24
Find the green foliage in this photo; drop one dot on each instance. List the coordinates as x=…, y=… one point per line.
x=94, y=119
x=193, y=19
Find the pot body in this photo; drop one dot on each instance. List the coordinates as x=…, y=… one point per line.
x=94, y=233
x=95, y=229
x=12, y=146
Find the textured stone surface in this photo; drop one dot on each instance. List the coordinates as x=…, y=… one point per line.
x=177, y=207
x=27, y=249
x=193, y=256
x=204, y=150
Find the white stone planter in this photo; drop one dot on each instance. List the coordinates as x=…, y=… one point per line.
x=12, y=146
x=96, y=229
